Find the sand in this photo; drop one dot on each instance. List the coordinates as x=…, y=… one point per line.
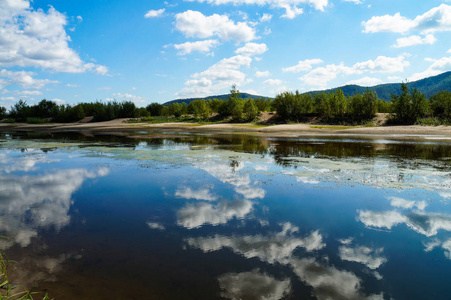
x=283, y=130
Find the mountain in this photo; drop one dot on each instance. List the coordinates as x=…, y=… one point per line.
x=429, y=86
x=220, y=97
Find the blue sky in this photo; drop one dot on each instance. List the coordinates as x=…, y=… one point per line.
x=155, y=51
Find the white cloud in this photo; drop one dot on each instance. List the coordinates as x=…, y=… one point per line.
x=221, y=75
x=266, y=18
x=354, y=1
x=43, y=201
x=253, y=285
x=24, y=79
x=366, y=81
x=29, y=93
x=290, y=6
x=388, y=23
x=72, y=85
x=303, y=65
x=34, y=38
x=274, y=82
x=407, y=204
x=251, y=49
x=199, y=46
x=154, y=225
x=383, y=64
x=320, y=77
x=364, y=255
x=202, y=194
x=449, y=51
x=262, y=74
x=273, y=248
x=328, y=282
x=427, y=224
x=199, y=214
x=154, y=13
x=195, y=24
x=415, y=40
x=438, y=66
x=436, y=19
x=129, y=97
x=291, y=12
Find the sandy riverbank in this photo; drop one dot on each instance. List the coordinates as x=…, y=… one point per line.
x=282, y=130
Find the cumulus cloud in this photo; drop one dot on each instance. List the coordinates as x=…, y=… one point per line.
x=202, y=194
x=199, y=214
x=266, y=18
x=195, y=24
x=435, y=20
x=427, y=224
x=35, y=38
x=154, y=13
x=275, y=82
x=366, y=81
x=262, y=74
x=129, y=97
x=407, y=204
x=415, y=40
x=354, y=1
x=320, y=76
x=253, y=285
x=303, y=65
x=438, y=66
x=230, y=175
x=44, y=199
x=251, y=49
x=290, y=6
x=199, y=46
x=155, y=225
x=369, y=257
x=221, y=75
x=23, y=79
x=328, y=282
x=271, y=248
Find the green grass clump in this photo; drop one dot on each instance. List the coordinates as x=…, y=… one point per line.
x=9, y=291
x=33, y=120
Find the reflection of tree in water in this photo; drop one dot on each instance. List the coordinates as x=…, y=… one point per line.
x=282, y=150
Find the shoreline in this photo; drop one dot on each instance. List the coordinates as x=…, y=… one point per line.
x=118, y=126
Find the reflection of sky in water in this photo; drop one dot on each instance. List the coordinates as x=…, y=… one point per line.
x=209, y=220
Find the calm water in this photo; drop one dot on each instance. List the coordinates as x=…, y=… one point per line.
x=235, y=217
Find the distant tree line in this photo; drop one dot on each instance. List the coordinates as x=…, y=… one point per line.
x=409, y=107
x=47, y=110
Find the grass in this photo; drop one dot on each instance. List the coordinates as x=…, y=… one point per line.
x=36, y=120
x=8, y=291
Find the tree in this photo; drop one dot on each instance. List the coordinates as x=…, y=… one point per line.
x=155, y=109
x=409, y=106
x=250, y=110
x=441, y=104
x=2, y=112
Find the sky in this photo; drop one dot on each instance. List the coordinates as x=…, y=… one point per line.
x=155, y=51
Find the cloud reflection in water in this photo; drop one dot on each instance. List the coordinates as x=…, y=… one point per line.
x=31, y=202
x=253, y=285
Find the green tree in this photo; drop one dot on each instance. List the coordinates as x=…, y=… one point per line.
x=155, y=109
x=250, y=110
x=441, y=104
x=3, y=113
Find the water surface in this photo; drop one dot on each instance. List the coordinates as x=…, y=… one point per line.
x=234, y=217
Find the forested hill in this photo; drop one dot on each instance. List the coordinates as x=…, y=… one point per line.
x=220, y=97
x=429, y=86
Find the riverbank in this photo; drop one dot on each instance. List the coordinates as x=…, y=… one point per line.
x=281, y=130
